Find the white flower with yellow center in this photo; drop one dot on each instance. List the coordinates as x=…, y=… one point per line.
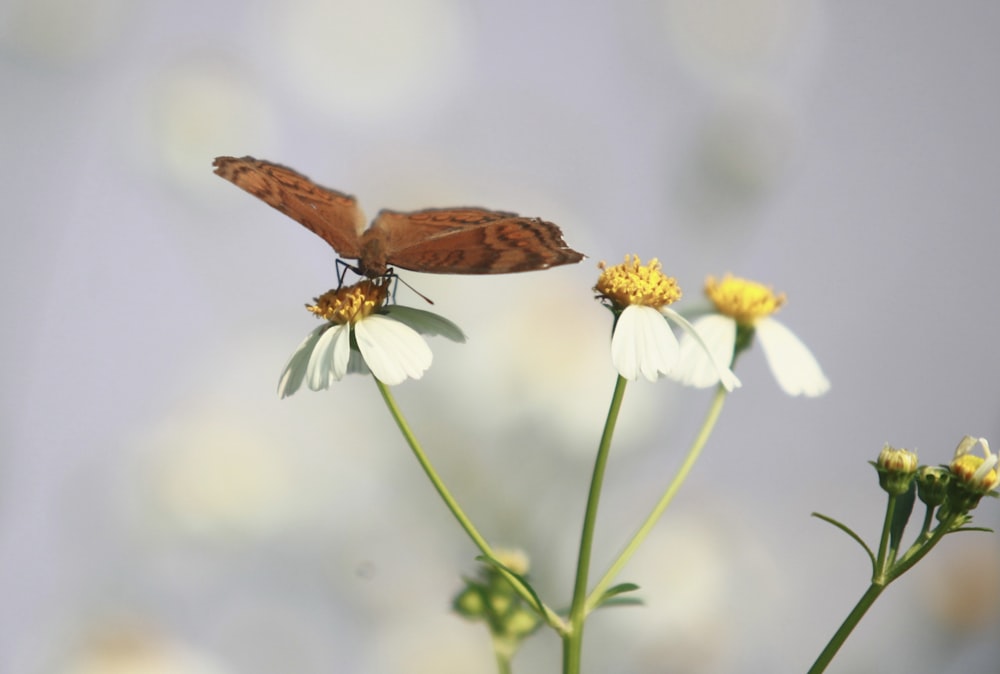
x=978, y=473
x=364, y=334
x=643, y=343
x=744, y=310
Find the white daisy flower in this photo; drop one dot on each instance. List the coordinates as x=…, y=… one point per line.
x=743, y=311
x=643, y=343
x=362, y=334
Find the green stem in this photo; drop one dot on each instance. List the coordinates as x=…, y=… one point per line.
x=550, y=616
x=919, y=550
x=886, y=571
x=852, y=620
x=925, y=530
x=503, y=662
x=573, y=638
x=432, y=475
x=882, y=559
x=647, y=526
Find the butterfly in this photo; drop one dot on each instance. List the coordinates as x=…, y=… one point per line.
x=435, y=240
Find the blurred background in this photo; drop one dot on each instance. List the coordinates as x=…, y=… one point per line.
x=162, y=511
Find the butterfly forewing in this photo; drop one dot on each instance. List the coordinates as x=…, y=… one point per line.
x=334, y=216
x=436, y=240
x=471, y=241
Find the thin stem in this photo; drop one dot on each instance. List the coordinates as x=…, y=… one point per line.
x=919, y=550
x=432, y=475
x=647, y=526
x=547, y=613
x=886, y=571
x=573, y=639
x=925, y=529
x=503, y=661
x=882, y=560
x=852, y=620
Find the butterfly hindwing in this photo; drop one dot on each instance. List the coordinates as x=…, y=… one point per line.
x=470, y=241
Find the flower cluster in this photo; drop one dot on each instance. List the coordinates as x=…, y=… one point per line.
x=958, y=487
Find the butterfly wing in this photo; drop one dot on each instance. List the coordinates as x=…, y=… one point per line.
x=469, y=241
x=334, y=216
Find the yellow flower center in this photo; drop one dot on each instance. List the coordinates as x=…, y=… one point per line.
x=634, y=283
x=350, y=304
x=742, y=300
x=964, y=467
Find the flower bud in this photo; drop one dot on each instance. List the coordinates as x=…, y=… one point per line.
x=896, y=469
x=492, y=599
x=932, y=485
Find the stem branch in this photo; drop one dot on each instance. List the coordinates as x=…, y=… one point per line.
x=647, y=526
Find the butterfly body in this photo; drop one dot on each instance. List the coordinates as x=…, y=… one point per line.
x=436, y=240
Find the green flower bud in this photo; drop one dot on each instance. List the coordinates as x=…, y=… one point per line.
x=896, y=469
x=470, y=603
x=932, y=485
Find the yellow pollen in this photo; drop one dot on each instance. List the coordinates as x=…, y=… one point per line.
x=632, y=283
x=350, y=304
x=742, y=300
x=965, y=467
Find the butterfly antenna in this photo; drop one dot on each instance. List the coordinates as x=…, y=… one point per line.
x=398, y=278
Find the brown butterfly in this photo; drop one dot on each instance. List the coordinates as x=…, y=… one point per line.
x=436, y=240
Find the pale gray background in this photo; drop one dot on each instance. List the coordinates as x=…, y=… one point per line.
x=160, y=507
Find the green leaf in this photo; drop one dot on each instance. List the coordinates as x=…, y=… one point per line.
x=901, y=515
x=985, y=529
x=621, y=601
x=516, y=579
x=426, y=322
x=847, y=530
x=621, y=588
x=611, y=596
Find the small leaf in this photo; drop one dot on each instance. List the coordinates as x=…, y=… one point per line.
x=611, y=596
x=516, y=579
x=847, y=530
x=901, y=515
x=621, y=601
x=621, y=588
x=426, y=322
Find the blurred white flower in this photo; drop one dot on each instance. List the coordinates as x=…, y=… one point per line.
x=743, y=311
x=132, y=650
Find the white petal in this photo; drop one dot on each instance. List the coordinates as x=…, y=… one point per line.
x=426, y=322
x=726, y=377
x=792, y=364
x=326, y=355
x=643, y=344
x=295, y=370
x=393, y=351
x=341, y=354
x=696, y=367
